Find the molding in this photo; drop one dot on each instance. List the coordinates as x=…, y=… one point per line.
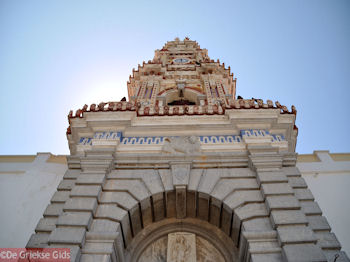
x=325, y=165
x=17, y=158
x=207, y=143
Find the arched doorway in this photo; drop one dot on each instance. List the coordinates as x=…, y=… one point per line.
x=212, y=204
x=176, y=240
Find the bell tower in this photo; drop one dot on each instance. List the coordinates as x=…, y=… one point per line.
x=185, y=171
x=181, y=73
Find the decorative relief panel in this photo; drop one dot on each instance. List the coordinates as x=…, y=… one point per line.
x=181, y=145
x=206, y=252
x=181, y=246
x=156, y=252
x=181, y=174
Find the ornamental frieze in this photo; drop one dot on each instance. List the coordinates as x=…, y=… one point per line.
x=184, y=144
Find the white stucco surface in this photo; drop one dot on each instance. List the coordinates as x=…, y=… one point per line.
x=329, y=182
x=332, y=193
x=25, y=191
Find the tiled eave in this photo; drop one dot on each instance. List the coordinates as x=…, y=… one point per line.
x=142, y=111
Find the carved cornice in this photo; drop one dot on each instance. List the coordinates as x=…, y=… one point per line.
x=257, y=146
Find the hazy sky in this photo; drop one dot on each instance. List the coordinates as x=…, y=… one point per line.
x=59, y=55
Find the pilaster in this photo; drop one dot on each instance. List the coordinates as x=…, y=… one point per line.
x=49, y=224
x=282, y=195
x=79, y=212
x=108, y=230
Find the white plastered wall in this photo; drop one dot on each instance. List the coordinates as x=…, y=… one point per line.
x=329, y=181
x=25, y=191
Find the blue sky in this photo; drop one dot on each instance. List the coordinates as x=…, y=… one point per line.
x=59, y=55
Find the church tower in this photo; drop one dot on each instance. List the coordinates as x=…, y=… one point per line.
x=185, y=171
x=181, y=74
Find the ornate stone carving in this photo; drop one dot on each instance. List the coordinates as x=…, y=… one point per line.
x=181, y=247
x=206, y=252
x=181, y=173
x=181, y=145
x=156, y=252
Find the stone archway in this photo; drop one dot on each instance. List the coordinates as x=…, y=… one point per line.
x=103, y=208
x=216, y=204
